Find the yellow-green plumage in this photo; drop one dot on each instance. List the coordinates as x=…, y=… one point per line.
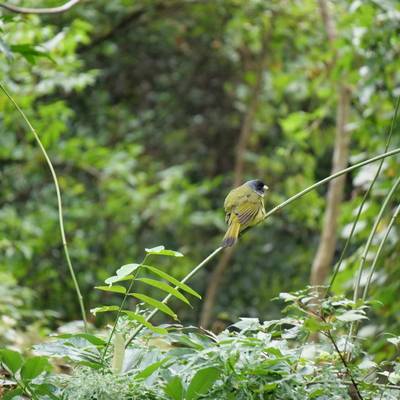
x=244, y=207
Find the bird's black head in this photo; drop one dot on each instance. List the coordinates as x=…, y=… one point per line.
x=258, y=186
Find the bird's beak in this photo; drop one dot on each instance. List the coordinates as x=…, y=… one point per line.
x=266, y=187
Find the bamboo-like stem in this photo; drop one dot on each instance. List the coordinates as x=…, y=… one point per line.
x=354, y=324
x=273, y=211
x=371, y=237
x=59, y=203
x=364, y=199
x=166, y=298
x=379, y=251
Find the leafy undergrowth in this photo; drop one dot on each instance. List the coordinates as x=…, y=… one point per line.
x=249, y=360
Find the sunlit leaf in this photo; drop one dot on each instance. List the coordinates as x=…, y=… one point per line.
x=114, y=289
x=96, y=310
x=160, y=250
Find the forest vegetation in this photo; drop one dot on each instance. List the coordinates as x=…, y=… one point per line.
x=124, y=125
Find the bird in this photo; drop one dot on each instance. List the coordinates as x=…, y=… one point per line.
x=244, y=207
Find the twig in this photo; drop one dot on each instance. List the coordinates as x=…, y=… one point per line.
x=53, y=10
x=59, y=203
x=379, y=251
x=370, y=238
x=327, y=179
x=360, y=208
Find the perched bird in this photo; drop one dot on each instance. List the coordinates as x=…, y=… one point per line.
x=244, y=207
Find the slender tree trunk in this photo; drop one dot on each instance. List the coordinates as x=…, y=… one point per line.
x=244, y=136
x=323, y=259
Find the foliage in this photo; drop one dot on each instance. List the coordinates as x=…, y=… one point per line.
x=140, y=107
x=274, y=359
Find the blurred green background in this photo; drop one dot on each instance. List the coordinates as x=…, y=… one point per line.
x=147, y=108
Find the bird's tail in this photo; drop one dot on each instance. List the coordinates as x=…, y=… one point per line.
x=231, y=234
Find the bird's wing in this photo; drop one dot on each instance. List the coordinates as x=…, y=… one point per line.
x=248, y=207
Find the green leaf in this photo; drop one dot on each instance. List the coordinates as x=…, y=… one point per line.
x=114, y=289
x=174, y=388
x=30, y=52
x=151, y=369
x=314, y=325
x=139, y=318
x=127, y=269
x=90, y=338
x=202, y=382
x=12, y=394
x=165, y=287
x=11, y=359
x=96, y=310
x=171, y=279
x=115, y=278
x=33, y=367
x=160, y=250
x=155, y=303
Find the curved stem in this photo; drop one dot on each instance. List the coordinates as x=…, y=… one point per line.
x=379, y=251
x=329, y=178
x=371, y=237
x=364, y=199
x=59, y=203
x=354, y=325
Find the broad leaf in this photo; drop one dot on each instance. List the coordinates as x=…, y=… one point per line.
x=151, y=369
x=202, y=382
x=352, y=315
x=174, y=388
x=160, y=250
x=33, y=367
x=114, y=289
x=11, y=359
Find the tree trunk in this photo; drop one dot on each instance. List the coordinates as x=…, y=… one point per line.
x=244, y=136
x=325, y=253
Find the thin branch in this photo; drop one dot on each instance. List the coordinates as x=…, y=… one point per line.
x=360, y=208
x=379, y=251
x=53, y=10
x=330, y=337
x=371, y=237
x=273, y=211
x=59, y=203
